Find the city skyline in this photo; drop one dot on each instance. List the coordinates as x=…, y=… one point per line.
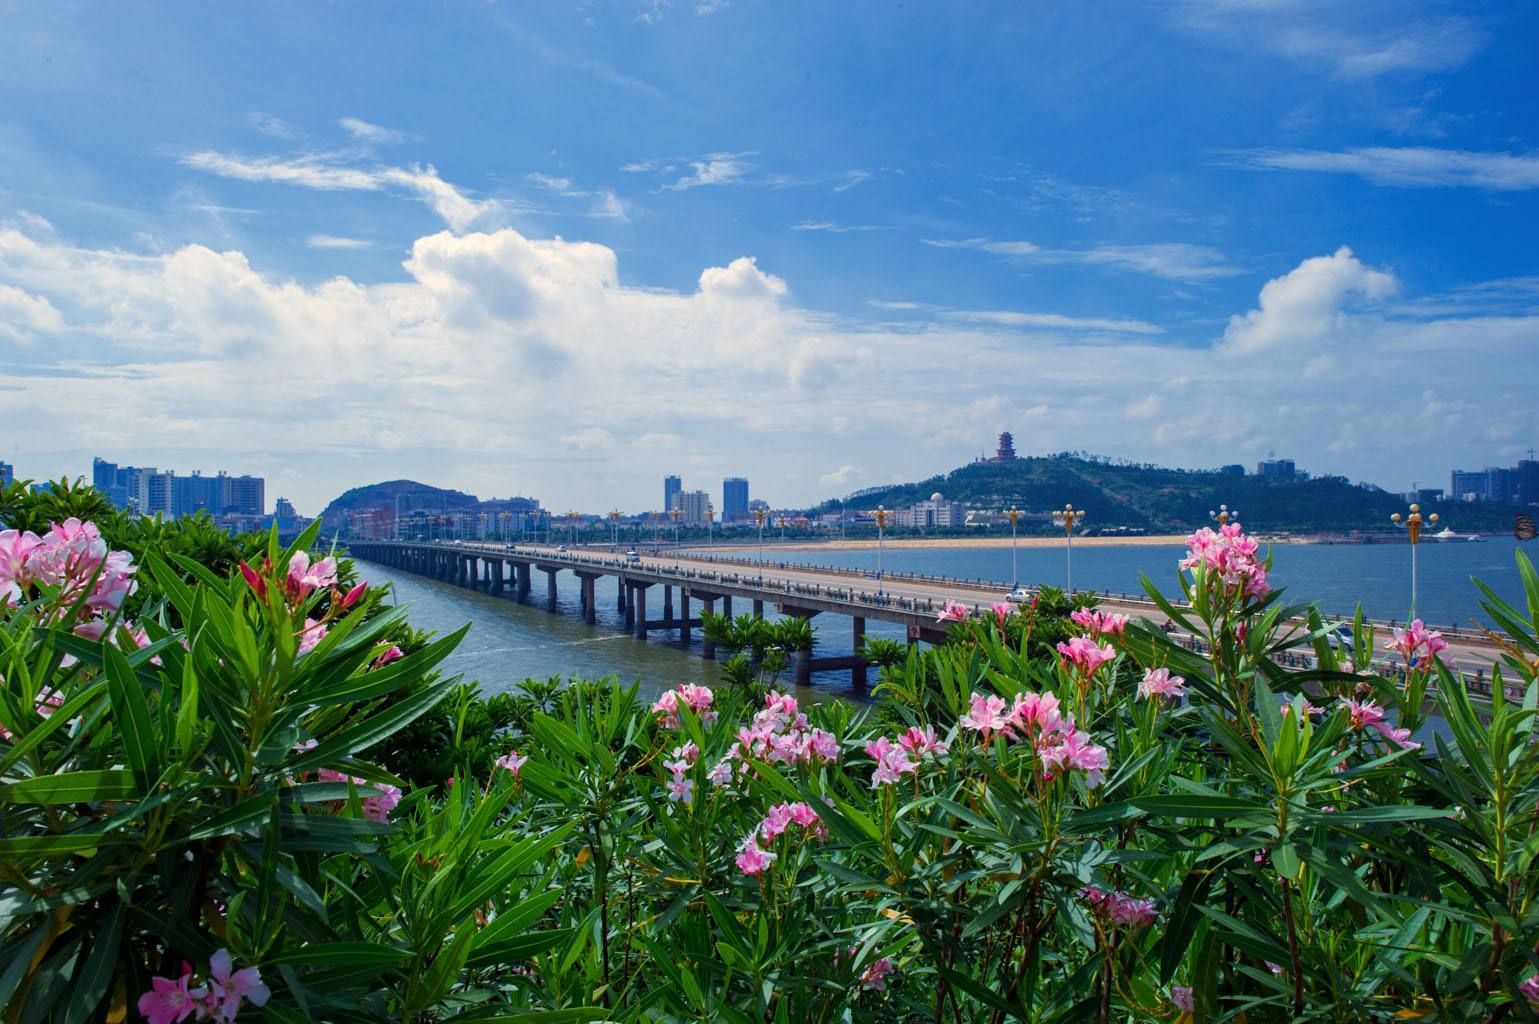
x=824, y=250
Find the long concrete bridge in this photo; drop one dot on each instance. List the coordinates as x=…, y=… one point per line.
x=686, y=580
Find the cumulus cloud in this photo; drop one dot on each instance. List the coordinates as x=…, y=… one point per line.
x=1308, y=305
x=24, y=316
x=492, y=358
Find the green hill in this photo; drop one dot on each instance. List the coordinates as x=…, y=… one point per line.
x=384, y=495
x=1162, y=500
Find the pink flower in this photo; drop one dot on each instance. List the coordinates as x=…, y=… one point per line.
x=15, y=547
x=953, y=612
x=986, y=714
x=511, y=762
x=1100, y=623
x=386, y=656
x=874, y=977
x=823, y=745
x=311, y=635
x=355, y=595
x=922, y=742
x=1001, y=610
x=227, y=989
x=1228, y=560
x=1034, y=713
x=1120, y=908
x=1416, y=642
x=257, y=584
x=892, y=762
x=1085, y=654
x=1181, y=995
x=1158, y=682
x=304, y=578
x=1071, y=748
x=378, y=808
x=681, y=788
x=697, y=698
x=751, y=860
x=1530, y=989
x=170, y=1001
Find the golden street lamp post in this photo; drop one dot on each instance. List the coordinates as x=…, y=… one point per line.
x=677, y=515
x=1067, y=518
x=1224, y=515
x=881, y=526
x=614, y=519
x=1015, y=576
x=710, y=518
x=758, y=517
x=1412, y=524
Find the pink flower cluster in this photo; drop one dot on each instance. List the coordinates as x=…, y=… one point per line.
x=68, y=556
x=1099, y=623
x=894, y=760
x=681, y=788
x=1416, y=644
x=1159, y=683
x=874, y=977
x=1229, y=556
x=779, y=733
x=1530, y=989
x=1118, y=907
x=1085, y=655
x=305, y=577
x=1037, y=718
x=1181, y=995
x=375, y=808
x=1002, y=610
x=1368, y=715
x=953, y=612
x=171, y=1000
x=697, y=698
x=511, y=762
x=752, y=858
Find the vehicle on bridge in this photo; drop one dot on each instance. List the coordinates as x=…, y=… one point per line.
x=632, y=556
x=1020, y=595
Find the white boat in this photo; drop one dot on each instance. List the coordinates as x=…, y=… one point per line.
x=1447, y=534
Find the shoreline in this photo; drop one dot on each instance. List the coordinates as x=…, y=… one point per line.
x=1159, y=540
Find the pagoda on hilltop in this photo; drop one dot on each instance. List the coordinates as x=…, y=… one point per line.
x=1005, y=452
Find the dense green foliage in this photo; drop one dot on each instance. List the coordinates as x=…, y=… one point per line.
x=1171, y=500
x=1103, y=826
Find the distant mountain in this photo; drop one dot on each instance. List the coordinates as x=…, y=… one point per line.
x=1164, y=500
x=385, y=495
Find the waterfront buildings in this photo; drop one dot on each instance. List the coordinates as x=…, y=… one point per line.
x=734, y=499
x=1280, y=469
x=937, y=511
x=672, y=485
x=1517, y=485
x=7, y=474
x=153, y=491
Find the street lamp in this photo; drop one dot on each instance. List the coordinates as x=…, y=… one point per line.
x=881, y=525
x=1015, y=577
x=1067, y=518
x=710, y=517
x=677, y=514
x=614, y=518
x=1412, y=524
x=1224, y=515
x=758, y=517
x=782, y=530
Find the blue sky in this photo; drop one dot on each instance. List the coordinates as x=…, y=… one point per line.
x=563, y=249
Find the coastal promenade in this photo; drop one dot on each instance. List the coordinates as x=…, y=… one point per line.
x=679, y=581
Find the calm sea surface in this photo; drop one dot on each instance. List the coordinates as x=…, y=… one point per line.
x=509, y=642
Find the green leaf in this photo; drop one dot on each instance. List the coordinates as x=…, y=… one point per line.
x=341, y=954
x=71, y=788
x=237, y=818
x=131, y=713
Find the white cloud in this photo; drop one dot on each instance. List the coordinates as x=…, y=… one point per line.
x=504, y=355
x=832, y=228
x=24, y=316
x=273, y=127
x=364, y=131
x=1406, y=166
x=841, y=477
x=337, y=242
x=1012, y=318
x=1307, y=306
x=458, y=210
x=713, y=169
x=1176, y=261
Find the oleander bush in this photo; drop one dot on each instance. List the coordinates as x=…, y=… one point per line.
x=195, y=822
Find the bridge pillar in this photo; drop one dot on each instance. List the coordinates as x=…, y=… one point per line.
x=523, y=572
x=803, y=667
x=707, y=647
x=550, y=586
x=639, y=611
x=620, y=589
x=589, y=604
x=758, y=608
x=858, y=670
x=628, y=603
x=726, y=605
x=683, y=616
x=667, y=601
x=495, y=585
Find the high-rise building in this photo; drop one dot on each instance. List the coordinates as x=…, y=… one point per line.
x=694, y=507
x=7, y=474
x=672, y=485
x=244, y=495
x=1233, y=469
x=1277, y=469
x=283, y=508
x=734, y=499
